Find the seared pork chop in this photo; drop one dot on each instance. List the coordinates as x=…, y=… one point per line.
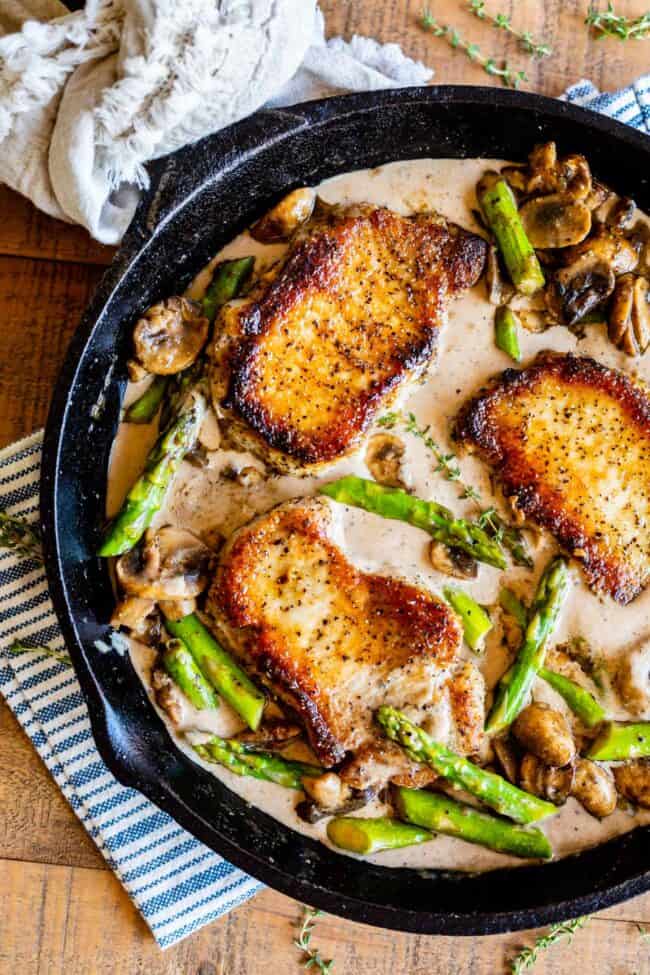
x=329, y=336
x=569, y=440
x=335, y=643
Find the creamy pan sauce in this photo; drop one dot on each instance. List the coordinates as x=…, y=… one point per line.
x=205, y=502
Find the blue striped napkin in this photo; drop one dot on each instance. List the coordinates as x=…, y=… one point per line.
x=176, y=883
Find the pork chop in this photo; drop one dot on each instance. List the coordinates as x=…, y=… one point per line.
x=332, y=333
x=335, y=643
x=569, y=440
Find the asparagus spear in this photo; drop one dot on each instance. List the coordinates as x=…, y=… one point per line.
x=218, y=667
x=373, y=835
x=581, y=702
x=513, y=606
x=143, y=409
x=444, y=815
x=618, y=742
x=227, y=282
x=506, y=335
x=147, y=494
x=499, y=209
x=432, y=517
x=549, y=599
x=476, y=622
x=237, y=757
x=490, y=788
x=181, y=667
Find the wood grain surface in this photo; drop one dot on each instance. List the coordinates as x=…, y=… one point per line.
x=62, y=911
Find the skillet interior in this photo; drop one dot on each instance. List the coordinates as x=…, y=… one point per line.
x=201, y=198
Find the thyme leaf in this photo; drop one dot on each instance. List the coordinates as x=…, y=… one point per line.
x=557, y=932
x=311, y=957
x=528, y=44
x=607, y=23
x=21, y=536
x=19, y=647
x=510, y=77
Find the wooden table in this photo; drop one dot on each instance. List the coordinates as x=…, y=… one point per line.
x=61, y=909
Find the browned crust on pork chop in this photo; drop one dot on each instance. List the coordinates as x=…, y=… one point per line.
x=569, y=440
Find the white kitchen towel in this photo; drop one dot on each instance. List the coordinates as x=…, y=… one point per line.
x=177, y=883
x=87, y=98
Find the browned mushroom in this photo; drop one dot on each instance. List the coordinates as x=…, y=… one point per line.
x=285, y=217
x=633, y=680
x=177, y=609
x=271, y=734
x=385, y=459
x=629, y=315
x=622, y=214
x=132, y=612
x=594, y=788
x=544, y=731
x=452, y=562
x=136, y=371
x=555, y=221
x=172, y=564
x=499, y=290
x=507, y=757
x=633, y=781
x=169, y=696
x=599, y=194
x=548, y=174
x=545, y=781
x=170, y=335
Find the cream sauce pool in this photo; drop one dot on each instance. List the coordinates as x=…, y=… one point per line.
x=206, y=502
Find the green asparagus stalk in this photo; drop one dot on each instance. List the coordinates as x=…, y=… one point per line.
x=549, y=599
x=148, y=493
x=444, y=815
x=228, y=280
x=619, y=741
x=374, y=835
x=581, y=702
x=490, y=788
x=499, y=208
x=506, y=335
x=143, y=409
x=218, y=667
x=476, y=622
x=182, y=668
x=513, y=606
x=241, y=760
x=432, y=517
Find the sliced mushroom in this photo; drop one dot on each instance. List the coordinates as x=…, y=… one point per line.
x=516, y=177
x=132, y=612
x=547, y=782
x=385, y=459
x=548, y=174
x=555, y=221
x=172, y=564
x=622, y=214
x=594, y=788
x=507, y=756
x=328, y=790
x=310, y=812
x=629, y=315
x=169, y=697
x=544, y=732
x=170, y=335
x=177, y=609
x=285, y=217
x=579, y=288
x=633, y=680
x=599, y=194
x=452, y=562
x=271, y=734
x=633, y=781
x=499, y=290
x=136, y=371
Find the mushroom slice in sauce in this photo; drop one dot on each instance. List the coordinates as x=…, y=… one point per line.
x=170, y=336
x=622, y=214
x=282, y=220
x=594, y=788
x=629, y=315
x=544, y=731
x=507, y=757
x=555, y=221
x=633, y=680
x=169, y=696
x=499, y=290
x=633, y=781
x=546, y=781
x=452, y=562
x=271, y=734
x=385, y=459
x=172, y=564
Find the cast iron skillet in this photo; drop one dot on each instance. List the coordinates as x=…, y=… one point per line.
x=199, y=199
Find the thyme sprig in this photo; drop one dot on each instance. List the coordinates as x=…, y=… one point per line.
x=644, y=934
x=19, y=647
x=528, y=44
x=607, y=23
x=21, y=536
x=508, y=75
x=447, y=464
x=311, y=957
x=528, y=956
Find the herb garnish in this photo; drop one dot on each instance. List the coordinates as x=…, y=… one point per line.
x=311, y=956
x=19, y=647
x=527, y=42
x=607, y=23
x=507, y=74
x=21, y=536
x=528, y=956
